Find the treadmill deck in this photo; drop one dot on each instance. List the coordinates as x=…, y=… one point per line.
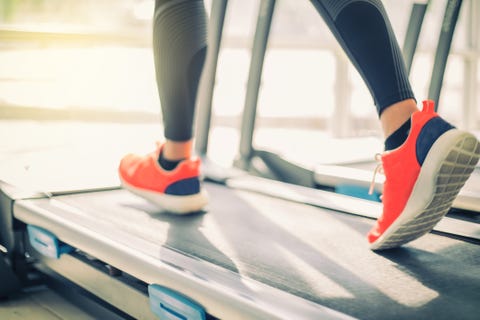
x=316, y=254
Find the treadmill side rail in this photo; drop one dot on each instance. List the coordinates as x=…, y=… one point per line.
x=169, y=304
x=222, y=293
x=8, y=227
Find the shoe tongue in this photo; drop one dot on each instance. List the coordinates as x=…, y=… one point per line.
x=428, y=106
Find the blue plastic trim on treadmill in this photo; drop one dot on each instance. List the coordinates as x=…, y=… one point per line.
x=46, y=242
x=171, y=305
x=357, y=192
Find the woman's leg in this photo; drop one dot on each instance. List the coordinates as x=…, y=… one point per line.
x=170, y=177
x=423, y=150
x=364, y=31
x=180, y=44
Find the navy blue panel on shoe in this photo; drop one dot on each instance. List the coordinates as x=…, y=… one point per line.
x=184, y=187
x=433, y=129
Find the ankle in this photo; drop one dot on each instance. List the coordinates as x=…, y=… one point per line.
x=394, y=116
x=177, y=151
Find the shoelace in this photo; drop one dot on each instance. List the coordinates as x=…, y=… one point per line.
x=378, y=169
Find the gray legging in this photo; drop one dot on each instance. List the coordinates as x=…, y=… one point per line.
x=180, y=40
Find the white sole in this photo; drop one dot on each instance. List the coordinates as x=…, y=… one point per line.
x=448, y=165
x=181, y=205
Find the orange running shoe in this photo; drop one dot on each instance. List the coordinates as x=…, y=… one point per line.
x=422, y=178
x=177, y=191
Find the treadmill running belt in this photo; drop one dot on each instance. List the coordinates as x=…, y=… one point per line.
x=318, y=254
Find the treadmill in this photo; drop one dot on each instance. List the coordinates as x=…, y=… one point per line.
x=263, y=249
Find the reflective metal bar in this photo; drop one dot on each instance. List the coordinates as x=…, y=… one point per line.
x=449, y=23
x=417, y=16
x=207, y=84
x=259, y=49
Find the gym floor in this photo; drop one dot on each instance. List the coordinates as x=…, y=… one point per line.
x=40, y=304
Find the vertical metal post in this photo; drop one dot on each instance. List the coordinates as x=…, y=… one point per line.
x=207, y=84
x=415, y=22
x=259, y=48
x=449, y=23
x=470, y=83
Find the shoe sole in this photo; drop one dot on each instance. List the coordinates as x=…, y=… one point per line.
x=446, y=168
x=180, y=205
